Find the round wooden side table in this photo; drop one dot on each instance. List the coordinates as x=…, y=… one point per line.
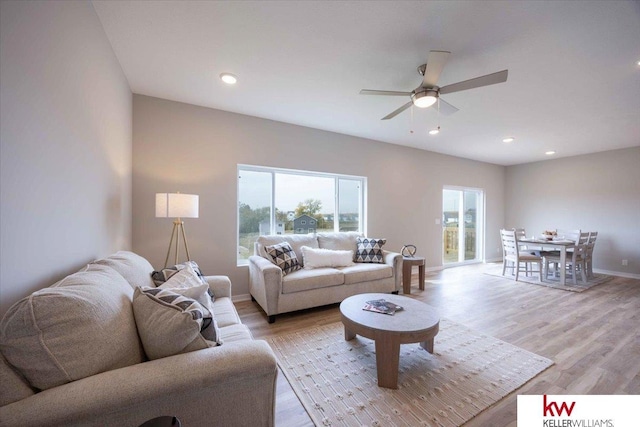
x=407, y=263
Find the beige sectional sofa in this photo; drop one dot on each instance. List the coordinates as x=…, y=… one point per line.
x=305, y=288
x=71, y=355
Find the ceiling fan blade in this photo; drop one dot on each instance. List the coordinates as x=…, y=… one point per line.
x=435, y=63
x=398, y=111
x=489, y=79
x=444, y=107
x=384, y=92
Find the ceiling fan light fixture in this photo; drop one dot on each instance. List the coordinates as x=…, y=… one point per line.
x=228, y=78
x=425, y=98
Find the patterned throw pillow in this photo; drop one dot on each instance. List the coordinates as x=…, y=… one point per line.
x=185, y=278
x=369, y=250
x=169, y=323
x=159, y=277
x=284, y=257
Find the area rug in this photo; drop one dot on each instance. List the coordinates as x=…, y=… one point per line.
x=597, y=279
x=336, y=380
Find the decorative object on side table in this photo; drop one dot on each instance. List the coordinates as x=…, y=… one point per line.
x=178, y=206
x=408, y=251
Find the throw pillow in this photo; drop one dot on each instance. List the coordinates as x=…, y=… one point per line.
x=159, y=277
x=284, y=257
x=318, y=258
x=186, y=283
x=187, y=277
x=370, y=250
x=168, y=323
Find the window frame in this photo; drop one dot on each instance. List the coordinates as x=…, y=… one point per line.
x=362, y=197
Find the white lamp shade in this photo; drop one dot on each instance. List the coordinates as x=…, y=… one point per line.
x=176, y=205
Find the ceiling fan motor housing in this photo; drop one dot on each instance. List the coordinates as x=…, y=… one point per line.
x=424, y=97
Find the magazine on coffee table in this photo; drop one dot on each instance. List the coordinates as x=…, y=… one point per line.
x=381, y=306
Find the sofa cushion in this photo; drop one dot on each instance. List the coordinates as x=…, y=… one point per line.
x=14, y=386
x=225, y=312
x=361, y=272
x=304, y=280
x=370, y=250
x=81, y=327
x=238, y=332
x=318, y=258
x=134, y=268
x=295, y=240
x=343, y=241
x=168, y=323
x=284, y=257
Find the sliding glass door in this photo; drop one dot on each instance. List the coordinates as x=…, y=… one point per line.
x=462, y=220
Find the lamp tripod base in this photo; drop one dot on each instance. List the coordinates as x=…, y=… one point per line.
x=177, y=233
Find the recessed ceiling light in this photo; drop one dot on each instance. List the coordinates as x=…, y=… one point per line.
x=637, y=62
x=508, y=139
x=228, y=78
x=550, y=153
x=434, y=131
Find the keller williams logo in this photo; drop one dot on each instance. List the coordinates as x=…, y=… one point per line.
x=548, y=408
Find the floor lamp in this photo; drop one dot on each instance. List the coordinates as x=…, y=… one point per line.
x=178, y=206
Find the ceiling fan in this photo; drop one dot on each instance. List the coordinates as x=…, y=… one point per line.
x=428, y=92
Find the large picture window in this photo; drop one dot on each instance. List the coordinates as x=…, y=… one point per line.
x=283, y=201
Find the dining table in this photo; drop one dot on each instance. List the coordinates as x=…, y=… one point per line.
x=554, y=244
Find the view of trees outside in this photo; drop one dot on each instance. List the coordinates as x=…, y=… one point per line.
x=455, y=203
x=294, y=196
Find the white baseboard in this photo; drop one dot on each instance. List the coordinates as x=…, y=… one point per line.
x=499, y=259
x=437, y=268
x=243, y=297
x=617, y=273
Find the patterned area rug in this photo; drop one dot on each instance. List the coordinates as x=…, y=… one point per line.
x=598, y=279
x=336, y=380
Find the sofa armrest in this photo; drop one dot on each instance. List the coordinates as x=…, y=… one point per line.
x=230, y=385
x=219, y=285
x=394, y=259
x=265, y=283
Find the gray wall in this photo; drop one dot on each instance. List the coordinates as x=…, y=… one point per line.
x=181, y=147
x=66, y=108
x=594, y=192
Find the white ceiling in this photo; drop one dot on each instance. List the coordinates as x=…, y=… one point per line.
x=573, y=87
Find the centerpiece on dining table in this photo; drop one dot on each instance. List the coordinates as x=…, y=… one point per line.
x=549, y=234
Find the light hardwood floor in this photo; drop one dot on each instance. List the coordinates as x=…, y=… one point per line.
x=593, y=337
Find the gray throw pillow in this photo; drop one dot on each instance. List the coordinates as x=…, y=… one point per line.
x=168, y=323
x=284, y=257
x=369, y=250
x=161, y=276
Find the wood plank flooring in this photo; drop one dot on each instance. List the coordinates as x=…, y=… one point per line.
x=593, y=337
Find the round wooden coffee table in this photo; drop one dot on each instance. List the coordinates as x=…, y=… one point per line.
x=416, y=322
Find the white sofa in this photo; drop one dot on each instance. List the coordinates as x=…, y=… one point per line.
x=277, y=293
x=72, y=356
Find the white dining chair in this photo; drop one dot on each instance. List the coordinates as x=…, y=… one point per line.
x=575, y=260
x=591, y=243
x=568, y=234
x=513, y=259
x=524, y=248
